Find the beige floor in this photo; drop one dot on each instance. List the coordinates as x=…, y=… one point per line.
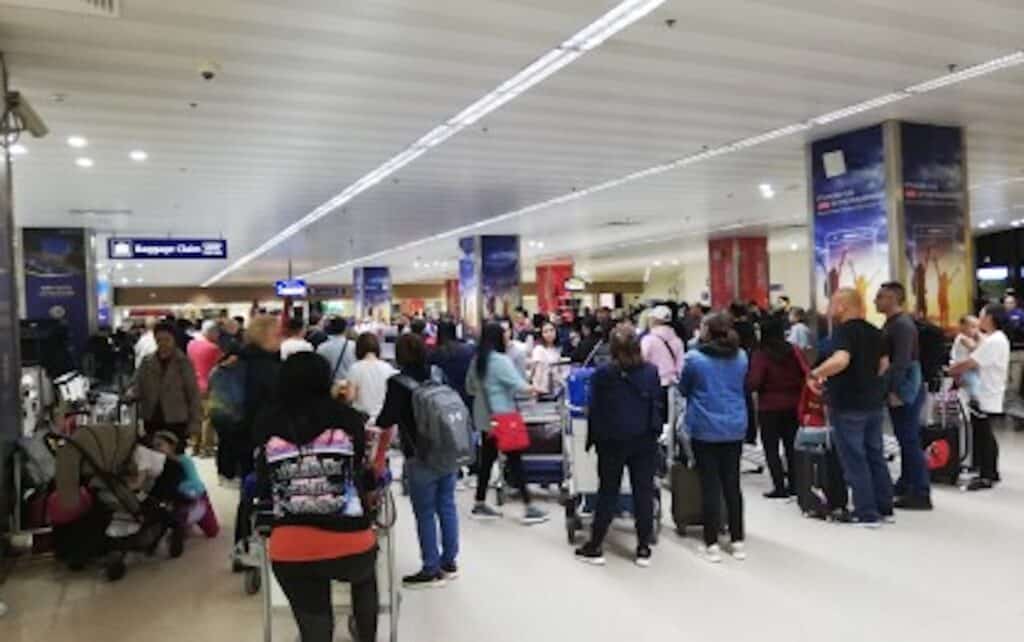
x=952, y=575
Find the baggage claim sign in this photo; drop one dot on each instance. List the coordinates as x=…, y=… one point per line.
x=123, y=248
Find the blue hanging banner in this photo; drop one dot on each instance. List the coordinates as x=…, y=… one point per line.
x=129, y=248
x=372, y=287
x=499, y=275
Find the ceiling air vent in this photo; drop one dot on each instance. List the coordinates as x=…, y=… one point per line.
x=100, y=8
x=622, y=222
x=99, y=212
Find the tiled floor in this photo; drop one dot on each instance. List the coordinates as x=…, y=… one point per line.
x=956, y=574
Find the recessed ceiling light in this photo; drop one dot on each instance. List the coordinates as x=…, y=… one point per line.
x=77, y=142
x=139, y=280
x=675, y=261
x=84, y=162
x=657, y=263
x=139, y=265
x=794, y=246
x=138, y=155
x=17, y=149
x=100, y=266
x=124, y=281
x=119, y=266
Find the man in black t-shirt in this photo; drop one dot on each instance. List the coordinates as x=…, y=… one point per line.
x=855, y=392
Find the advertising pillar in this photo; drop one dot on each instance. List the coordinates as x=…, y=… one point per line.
x=489, y=278
x=738, y=271
x=372, y=287
x=57, y=279
x=551, y=278
x=889, y=203
x=451, y=298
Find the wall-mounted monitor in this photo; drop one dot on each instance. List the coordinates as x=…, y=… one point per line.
x=993, y=273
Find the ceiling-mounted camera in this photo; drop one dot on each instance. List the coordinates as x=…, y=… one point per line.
x=208, y=70
x=22, y=117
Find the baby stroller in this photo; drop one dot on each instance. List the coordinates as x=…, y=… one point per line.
x=113, y=497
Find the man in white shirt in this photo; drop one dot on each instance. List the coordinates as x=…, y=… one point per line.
x=146, y=344
x=991, y=360
x=368, y=377
x=295, y=342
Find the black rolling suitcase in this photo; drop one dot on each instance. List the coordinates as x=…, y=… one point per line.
x=686, y=498
x=818, y=477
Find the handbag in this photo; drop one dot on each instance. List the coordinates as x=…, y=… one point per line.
x=509, y=432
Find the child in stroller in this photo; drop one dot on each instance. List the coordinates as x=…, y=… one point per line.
x=136, y=498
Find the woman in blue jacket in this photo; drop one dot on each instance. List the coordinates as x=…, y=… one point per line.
x=624, y=423
x=713, y=382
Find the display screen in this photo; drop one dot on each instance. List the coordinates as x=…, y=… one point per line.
x=993, y=273
x=295, y=288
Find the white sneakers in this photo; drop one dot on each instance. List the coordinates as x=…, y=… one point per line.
x=713, y=553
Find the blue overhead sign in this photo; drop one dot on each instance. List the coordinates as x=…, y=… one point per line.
x=295, y=288
x=125, y=248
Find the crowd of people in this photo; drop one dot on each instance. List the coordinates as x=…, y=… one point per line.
x=742, y=373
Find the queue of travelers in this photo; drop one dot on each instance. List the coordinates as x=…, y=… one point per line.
x=741, y=375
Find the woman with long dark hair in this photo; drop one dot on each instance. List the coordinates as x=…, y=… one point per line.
x=625, y=422
x=314, y=468
x=713, y=382
x=777, y=375
x=493, y=381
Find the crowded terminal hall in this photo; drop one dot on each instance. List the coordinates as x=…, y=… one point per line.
x=510, y=320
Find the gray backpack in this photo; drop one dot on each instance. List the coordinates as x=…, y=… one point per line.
x=444, y=429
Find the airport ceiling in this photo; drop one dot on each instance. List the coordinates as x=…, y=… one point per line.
x=309, y=96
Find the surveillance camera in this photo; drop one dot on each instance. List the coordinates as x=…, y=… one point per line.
x=209, y=70
x=25, y=115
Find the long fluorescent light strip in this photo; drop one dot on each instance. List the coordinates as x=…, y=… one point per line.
x=618, y=18
x=982, y=69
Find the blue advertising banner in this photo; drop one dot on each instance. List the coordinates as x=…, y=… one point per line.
x=55, y=279
x=468, y=285
x=126, y=248
x=851, y=239
x=373, y=293
x=935, y=221
x=104, y=300
x=499, y=275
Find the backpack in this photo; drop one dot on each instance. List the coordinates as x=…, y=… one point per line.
x=444, y=429
x=227, y=395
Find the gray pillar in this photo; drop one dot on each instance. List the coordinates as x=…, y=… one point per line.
x=10, y=358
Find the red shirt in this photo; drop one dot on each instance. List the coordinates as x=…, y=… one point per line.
x=777, y=382
x=204, y=355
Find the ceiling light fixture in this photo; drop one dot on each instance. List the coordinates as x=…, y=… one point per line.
x=119, y=266
x=77, y=142
x=675, y=261
x=618, y=18
x=84, y=161
x=17, y=149
x=794, y=246
x=989, y=67
x=138, y=155
x=766, y=190
x=986, y=224
x=139, y=280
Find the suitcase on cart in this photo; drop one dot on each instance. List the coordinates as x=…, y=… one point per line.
x=947, y=440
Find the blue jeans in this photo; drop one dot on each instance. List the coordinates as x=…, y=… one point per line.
x=433, y=502
x=914, y=479
x=858, y=438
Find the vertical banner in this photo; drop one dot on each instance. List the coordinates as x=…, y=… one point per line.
x=722, y=272
x=104, y=300
x=469, y=285
x=753, y=274
x=850, y=218
x=451, y=298
x=935, y=223
x=499, y=275
x=373, y=293
x=551, y=278
x=56, y=280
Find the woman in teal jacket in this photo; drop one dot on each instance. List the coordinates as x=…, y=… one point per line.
x=714, y=384
x=493, y=381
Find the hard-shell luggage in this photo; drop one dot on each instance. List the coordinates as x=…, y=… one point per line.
x=820, y=486
x=687, y=507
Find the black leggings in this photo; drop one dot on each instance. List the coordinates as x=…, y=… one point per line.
x=719, y=466
x=489, y=455
x=986, y=448
x=308, y=588
x=776, y=426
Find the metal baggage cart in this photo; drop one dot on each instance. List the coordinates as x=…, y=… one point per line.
x=542, y=466
x=388, y=581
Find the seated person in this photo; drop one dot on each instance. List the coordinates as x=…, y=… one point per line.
x=195, y=507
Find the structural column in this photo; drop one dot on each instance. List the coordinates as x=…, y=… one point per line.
x=738, y=270
x=10, y=358
x=889, y=202
x=489, y=278
x=372, y=290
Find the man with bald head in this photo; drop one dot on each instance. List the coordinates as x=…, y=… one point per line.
x=852, y=381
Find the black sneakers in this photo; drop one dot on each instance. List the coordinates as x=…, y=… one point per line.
x=591, y=555
x=979, y=484
x=643, y=556
x=913, y=502
x=424, y=580
x=777, y=494
x=450, y=571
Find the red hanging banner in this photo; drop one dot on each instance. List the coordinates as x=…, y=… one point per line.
x=551, y=290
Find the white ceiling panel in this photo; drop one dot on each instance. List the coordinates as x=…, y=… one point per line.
x=313, y=95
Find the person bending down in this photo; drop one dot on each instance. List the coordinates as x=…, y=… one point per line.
x=624, y=425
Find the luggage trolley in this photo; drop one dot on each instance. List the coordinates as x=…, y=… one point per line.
x=387, y=574
x=544, y=462
x=581, y=471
